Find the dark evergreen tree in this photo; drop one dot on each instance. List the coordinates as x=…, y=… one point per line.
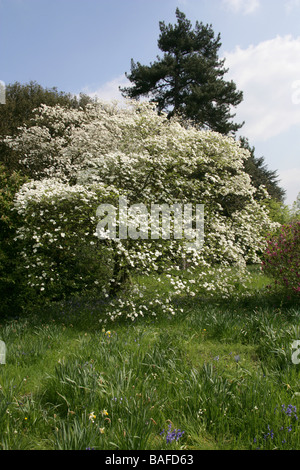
x=189, y=79
x=258, y=170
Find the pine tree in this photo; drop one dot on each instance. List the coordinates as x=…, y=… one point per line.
x=189, y=79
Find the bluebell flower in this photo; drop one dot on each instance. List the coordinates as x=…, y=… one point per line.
x=172, y=435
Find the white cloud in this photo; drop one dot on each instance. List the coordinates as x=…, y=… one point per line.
x=109, y=91
x=268, y=74
x=290, y=179
x=245, y=7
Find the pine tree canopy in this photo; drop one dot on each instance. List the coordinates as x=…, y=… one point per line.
x=188, y=81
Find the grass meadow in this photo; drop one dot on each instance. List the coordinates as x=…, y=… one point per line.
x=218, y=376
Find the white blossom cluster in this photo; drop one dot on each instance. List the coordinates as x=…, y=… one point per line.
x=81, y=158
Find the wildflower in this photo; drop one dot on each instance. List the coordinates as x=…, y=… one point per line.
x=102, y=430
x=104, y=413
x=172, y=435
x=92, y=416
x=290, y=411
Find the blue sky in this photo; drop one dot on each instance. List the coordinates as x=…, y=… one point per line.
x=87, y=45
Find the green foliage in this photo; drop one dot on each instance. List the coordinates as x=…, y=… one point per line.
x=188, y=80
x=21, y=100
x=9, y=185
x=9, y=248
x=282, y=258
x=65, y=257
x=282, y=213
x=295, y=211
x=278, y=211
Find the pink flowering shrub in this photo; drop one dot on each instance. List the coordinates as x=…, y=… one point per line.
x=281, y=260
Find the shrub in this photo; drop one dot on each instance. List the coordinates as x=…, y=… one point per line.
x=281, y=260
x=60, y=254
x=83, y=158
x=9, y=221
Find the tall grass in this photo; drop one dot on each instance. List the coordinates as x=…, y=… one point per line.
x=221, y=373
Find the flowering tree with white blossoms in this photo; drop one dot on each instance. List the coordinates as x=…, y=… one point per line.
x=80, y=159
